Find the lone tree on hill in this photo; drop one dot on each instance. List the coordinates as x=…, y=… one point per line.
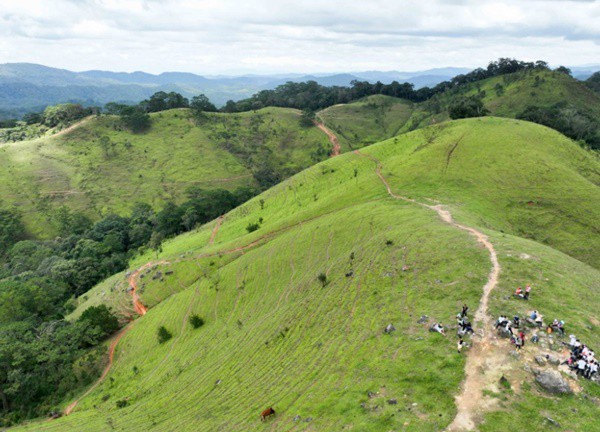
x=201, y=103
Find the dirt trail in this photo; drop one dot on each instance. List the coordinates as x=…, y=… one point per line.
x=332, y=138
x=141, y=310
x=73, y=126
x=111, y=355
x=485, y=359
x=216, y=229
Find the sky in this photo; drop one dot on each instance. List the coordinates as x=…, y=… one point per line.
x=276, y=36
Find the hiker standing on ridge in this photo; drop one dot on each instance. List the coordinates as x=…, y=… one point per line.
x=527, y=291
x=465, y=309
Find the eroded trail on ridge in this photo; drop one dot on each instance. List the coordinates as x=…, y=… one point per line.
x=141, y=310
x=332, y=138
x=485, y=359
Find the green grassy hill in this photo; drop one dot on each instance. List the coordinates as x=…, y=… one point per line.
x=294, y=311
x=509, y=95
x=225, y=151
x=367, y=121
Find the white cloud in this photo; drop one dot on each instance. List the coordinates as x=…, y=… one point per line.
x=215, y=36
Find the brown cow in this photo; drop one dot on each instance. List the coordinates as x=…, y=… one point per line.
x=267, y=413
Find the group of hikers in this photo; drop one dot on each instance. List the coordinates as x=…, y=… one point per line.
x=505, y=324
x=464, y=327
x=582, y=359
x=523, y=294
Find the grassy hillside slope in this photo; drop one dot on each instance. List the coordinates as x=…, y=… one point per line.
x=314, y=349
x=367, y=121
x=518, y=91
x=497, y=171
x=73, y=169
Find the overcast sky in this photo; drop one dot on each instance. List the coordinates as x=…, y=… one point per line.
x=269, y=36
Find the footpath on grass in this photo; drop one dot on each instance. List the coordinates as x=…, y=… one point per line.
x=140, y=309
x=485, y=357
x=332, y=138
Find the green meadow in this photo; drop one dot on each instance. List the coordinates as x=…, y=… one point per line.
x=295, y=311
x=74, y=169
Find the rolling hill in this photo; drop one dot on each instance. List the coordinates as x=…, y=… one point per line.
x=367, y=121
x=71, y=168
x=295, y=311
x=509, y=95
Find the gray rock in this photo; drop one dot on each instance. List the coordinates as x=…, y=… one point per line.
x=553, y=382
x=297, y=418
x=392, y=402
x=308, y=419
x=423, y=319
x=552, y=422
x=540, y=360
x=553, y=360
x=515, y=354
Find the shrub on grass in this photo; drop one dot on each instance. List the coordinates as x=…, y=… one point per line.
x=122, y=403
x=163, y=335
x=323, y=279
x=252, y=227
x=196, y=321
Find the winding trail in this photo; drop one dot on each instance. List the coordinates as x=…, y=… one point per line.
x=111, y=355
x=332, y=138
x=485, y=358
x=141, y=310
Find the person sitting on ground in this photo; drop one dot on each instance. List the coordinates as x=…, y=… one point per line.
x=539, y=320
x=527, y=291
x=519, y=292
x=534, y=337
x=572, y=341
x=465, y=309
x=501, y=322
x=518, y=343
x=466, y=327
x=558, y=326
x=459, y=345
x=507, y=327
x=438, y=327
x=561, y=328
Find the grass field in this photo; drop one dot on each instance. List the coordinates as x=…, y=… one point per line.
x=73, y=169
x=313, y=348
x=367, y=121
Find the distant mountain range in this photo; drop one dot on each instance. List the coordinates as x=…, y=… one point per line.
x=26, y=87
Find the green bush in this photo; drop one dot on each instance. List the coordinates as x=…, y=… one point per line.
x=196, y=321
x=163, y=335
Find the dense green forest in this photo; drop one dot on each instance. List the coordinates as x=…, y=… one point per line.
x=42, y=356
